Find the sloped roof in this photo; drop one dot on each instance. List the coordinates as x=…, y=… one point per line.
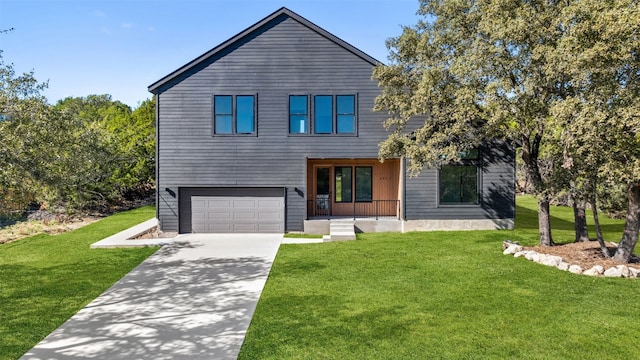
x=154, y=88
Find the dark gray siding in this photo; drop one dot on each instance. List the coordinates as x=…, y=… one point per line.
x=497, y=195
x=283, y=58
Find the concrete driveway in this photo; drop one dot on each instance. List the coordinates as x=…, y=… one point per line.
x=190, y=300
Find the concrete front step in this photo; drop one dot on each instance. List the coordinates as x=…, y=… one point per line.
x=342, y=236
x=341, y=225
x=341, y=230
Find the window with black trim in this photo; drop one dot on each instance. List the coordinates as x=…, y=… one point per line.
x=459, y=183
x=322, y=114
x=298, y=114
x=349, y=178
x=342, y=184
x=471, y=154
x=345, y=114
x=234, y=114
x=364, y=183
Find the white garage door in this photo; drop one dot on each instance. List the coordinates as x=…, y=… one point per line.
x=237, y=214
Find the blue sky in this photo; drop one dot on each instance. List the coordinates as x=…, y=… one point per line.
x=120, y=47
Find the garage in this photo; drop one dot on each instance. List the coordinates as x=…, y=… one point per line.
x=232, y=210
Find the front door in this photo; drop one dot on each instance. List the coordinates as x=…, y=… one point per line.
x=323, y=191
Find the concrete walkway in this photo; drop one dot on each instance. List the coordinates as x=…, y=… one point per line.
x=193, y=299
x=123, y=238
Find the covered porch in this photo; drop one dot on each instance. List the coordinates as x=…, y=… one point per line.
x=353, y=188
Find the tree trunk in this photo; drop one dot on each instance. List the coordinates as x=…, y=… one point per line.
x=596, y=222
x=631, y=226
x=580, y=221
x=530, y=152
x=544, y=223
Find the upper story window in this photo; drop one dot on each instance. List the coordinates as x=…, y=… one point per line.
x=234, y=114
x=298, y=114
x=345, y=114
x=330, y=114
x=323, y=114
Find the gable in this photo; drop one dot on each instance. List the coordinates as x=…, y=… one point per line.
x=303, y=29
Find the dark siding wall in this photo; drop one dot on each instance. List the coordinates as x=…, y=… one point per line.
x=286, y=58
x=281, y=59
x=497, y=198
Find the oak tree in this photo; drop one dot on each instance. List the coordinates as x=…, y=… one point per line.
x=469, y=72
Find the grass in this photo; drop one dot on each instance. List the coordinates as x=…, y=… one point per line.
x=441, y=295
x=302, y=236
x=45, y=279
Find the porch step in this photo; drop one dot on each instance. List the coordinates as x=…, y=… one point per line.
x=340, y=230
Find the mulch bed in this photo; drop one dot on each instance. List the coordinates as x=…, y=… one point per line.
x=586, y=254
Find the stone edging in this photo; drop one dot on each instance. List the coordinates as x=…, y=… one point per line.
x=515, y=249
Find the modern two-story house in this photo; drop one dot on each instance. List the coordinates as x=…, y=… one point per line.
x=273, y=131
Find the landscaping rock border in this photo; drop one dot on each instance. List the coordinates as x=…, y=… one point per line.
x=515, y=249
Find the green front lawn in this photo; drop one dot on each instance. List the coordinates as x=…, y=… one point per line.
x=441, y=295
x=302, y=236
x=46, y=279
